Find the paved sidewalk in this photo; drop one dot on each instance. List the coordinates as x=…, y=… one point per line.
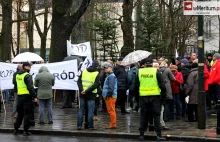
x=65, y=121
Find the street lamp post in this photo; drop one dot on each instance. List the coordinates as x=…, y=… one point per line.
x=201, y=92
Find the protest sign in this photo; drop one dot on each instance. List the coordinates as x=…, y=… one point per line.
x=82, y=49
x=64, y=73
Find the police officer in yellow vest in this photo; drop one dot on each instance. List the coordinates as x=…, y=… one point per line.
x=88, y=83
x=25, y=91
x=151, y=85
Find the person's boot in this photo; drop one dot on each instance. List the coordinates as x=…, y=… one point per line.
x=160, y=137
x=15, y=132
x=141, y=137
x=26, y=133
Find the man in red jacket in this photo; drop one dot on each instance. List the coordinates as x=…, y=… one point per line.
x=176, y=92
x=214, y=76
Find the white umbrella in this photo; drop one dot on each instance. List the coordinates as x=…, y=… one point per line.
x=134, y=57
x=27, y=57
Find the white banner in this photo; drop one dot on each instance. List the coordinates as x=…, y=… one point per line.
x=82, y=49
x=64, y=73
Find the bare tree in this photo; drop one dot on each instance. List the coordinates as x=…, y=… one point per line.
x=46, y=27
x=6, y=37
x=62, y=24
x=127, y=28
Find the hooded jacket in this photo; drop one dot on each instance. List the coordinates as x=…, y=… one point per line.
x=44, y=80
x=89, y=94
x=29, y=83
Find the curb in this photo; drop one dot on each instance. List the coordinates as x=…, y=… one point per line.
x=111, y=135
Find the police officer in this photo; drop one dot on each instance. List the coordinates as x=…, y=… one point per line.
x=25, y=93
x=88, y=83
x=150, y=84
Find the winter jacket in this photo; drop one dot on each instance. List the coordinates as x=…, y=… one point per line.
x=192, y=86
x=215, y=73
x=29, y=82
x=185, y=72
x=89, y=94
x=121, y=75
x=110, y=86
x=44, y=80
x=167, y=77
x=206, y=78
x=132, y=75
x=175, y=85
x=14, y=81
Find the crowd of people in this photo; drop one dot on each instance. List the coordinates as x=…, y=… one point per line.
x=156, y=88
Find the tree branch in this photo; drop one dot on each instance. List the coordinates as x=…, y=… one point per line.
x=73, y=19
x=37, y=26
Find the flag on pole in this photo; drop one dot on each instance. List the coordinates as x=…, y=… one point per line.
x=177, y=54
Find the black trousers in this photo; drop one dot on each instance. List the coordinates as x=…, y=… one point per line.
x=166, y=113
x=150, y=104
x=121, y=98
x=24, y=109
x=192, y=109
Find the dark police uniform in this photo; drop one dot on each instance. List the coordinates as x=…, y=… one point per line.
x=151, y=86
x=25, y=93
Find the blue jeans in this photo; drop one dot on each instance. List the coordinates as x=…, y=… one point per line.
x=6, y=95
x=91, y=108
x=48, y=104
x=177, y=103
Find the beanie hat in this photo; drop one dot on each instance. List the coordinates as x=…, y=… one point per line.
x=194, y=65
x=120, y=58
x=185, y=61
x=216, y=55
x=209, y=55
x=178, y=58
x=95, y=63
x=148, y=61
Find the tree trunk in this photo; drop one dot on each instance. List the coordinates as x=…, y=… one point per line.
x=43, y=35
x=127, y=28
x=30, y=29
x=6, y=37
x=18, y=27
x=62, y=25
x=172, y=31
x=43, y=46
x=138, y=25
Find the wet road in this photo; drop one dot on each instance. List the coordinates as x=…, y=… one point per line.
x=40, y=138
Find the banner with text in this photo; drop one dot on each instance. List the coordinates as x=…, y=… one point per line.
x=64, y=73
x=82, y=49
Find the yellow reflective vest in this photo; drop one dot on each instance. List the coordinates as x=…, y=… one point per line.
x=88, y=79
x=21, y=86
x=148, y=82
